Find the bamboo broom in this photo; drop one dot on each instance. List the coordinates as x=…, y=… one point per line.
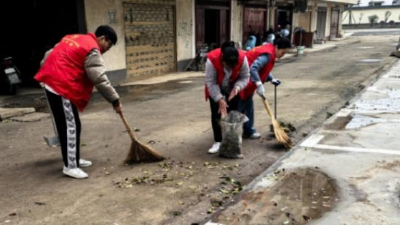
x=139, y=152
x=280, y=134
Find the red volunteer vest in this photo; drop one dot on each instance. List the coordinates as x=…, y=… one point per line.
x=216, y=60
x=64, y=69
x=252, y=55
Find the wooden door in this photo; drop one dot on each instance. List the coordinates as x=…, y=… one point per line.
x=200, y=28
x=254, y=21
x=223, y=26
x=334, y=23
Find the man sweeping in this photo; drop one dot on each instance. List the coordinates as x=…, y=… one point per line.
x=227, y=73
x=69, y=72
x=261, y=61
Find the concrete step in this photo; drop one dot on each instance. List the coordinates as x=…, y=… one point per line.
x=6, y=113
x=31, y=117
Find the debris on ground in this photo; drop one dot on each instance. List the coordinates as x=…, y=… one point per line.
x=40, y=203
x=173, y=172
x=287, y=127
x=229, y=188
x=298, y=197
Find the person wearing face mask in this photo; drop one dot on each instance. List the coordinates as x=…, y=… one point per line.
x=68, y=73
x=261, y=61
x=226, y=74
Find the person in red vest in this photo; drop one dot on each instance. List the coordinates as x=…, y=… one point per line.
x=68, y=73
x=261, y=61
x=226, y=74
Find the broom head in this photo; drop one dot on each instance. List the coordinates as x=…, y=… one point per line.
x=140, y=152
x=281, y=135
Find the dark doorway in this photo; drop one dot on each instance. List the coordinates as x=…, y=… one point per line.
x=321, y=22
x=212, y=26
x=33, y=27
x=284, y=17
x=212, y=23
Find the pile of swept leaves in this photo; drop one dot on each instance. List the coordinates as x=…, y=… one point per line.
x=171, y=171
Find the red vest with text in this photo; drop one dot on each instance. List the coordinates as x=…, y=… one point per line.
x=64, y=69
x=215, y=58
x=252, y=55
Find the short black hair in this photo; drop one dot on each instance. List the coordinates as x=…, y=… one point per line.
x=108, y=32
x=230, y=54
x=282, y=42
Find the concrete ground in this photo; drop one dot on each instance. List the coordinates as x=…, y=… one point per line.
x=345, y=172
x=173, y=117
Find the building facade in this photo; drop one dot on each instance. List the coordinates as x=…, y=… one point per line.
x=162, y=36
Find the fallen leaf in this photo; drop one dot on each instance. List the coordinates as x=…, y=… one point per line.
x=40, y=203
x=176, y=213
x=224, y=191
x=306, y=218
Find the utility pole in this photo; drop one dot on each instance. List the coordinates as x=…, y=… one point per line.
x=350, y=14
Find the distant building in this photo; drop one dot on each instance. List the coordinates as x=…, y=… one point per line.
x=373, y=13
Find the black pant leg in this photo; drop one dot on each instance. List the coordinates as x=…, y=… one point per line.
x=68, y=126
x=215, y=118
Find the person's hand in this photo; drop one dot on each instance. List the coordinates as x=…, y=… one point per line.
x=222, y=107
x=118, y=108
x=260, y=89
x=234, y=92
x=276, y=82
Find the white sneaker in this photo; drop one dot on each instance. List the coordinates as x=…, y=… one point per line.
x=255, y=136
x=84, y=163
x=215, y=148
x=75, y=173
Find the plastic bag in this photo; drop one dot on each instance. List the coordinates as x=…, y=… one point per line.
x=232, y=130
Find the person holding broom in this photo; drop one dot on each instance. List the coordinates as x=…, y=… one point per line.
x=261, y=61
x=226, y=74
x=68, y=73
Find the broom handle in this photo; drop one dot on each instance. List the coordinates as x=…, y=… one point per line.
x=275, y=104
x=268, y=108
x=128, y=128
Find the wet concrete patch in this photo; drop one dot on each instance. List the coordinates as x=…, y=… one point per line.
x=360, y=121
x=298, y=197
x=339, y=123
x=185, y=82
x=370, y=60
x=387, y=105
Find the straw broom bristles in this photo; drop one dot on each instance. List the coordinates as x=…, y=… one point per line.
x=280, y=134
x=139, y=152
